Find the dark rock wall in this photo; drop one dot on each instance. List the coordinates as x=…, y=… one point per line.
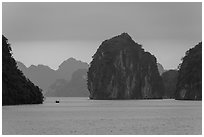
x=189, y=84
x=120, y=69
x=16, y=88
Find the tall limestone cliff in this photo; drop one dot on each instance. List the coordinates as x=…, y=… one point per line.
x=121, y=69
x=16, y=88
x=189, y=85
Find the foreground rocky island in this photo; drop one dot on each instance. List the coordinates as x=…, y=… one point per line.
x=189, y=85
x=121, y=69
x=16, y=88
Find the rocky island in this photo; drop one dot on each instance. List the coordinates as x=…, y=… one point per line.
x=16, y=88
x=121, y=69
x=189, y=85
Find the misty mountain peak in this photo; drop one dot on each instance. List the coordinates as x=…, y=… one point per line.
x=32, y=67
x=71, y=61
x=41, y=66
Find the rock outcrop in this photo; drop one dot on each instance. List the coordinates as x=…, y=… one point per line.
x=121, y=69
x=16, y=88
x=170, y=80
x=189, y=86
x=160, y=68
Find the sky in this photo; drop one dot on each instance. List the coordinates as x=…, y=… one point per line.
x=49, y=33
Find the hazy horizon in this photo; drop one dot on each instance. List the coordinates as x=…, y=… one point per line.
x=49, y=33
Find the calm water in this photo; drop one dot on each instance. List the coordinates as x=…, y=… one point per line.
x=78, y=115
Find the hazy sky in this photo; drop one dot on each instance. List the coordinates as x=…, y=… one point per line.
x=49, y=33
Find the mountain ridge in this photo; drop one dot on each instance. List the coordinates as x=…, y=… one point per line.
x=44, y=76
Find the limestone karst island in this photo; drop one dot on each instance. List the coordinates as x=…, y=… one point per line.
x=122, y=69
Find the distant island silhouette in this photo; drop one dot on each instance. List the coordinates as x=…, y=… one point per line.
x=46, y=78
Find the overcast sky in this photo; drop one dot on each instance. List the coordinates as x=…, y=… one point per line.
x=49, y=33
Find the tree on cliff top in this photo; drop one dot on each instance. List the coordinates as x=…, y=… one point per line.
x=16, y=88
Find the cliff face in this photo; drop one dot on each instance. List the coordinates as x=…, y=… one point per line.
x=16, y=88
x=189, y=85
x=120, y=69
